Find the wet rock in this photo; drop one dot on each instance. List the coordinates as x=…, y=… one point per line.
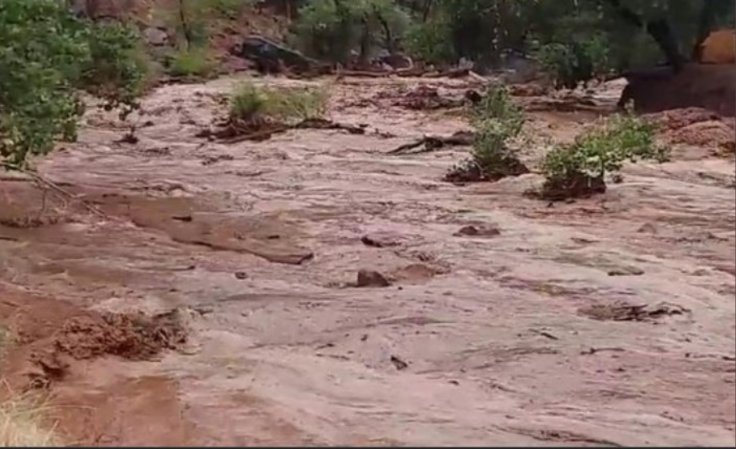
x=398, y=363
x=648, y=228
x=368, y=278
x=381, y=240
x=415, y=273
x=478, y=231
x=626, y=271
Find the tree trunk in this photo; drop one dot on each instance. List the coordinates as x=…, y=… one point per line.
x=427, y=10
x=364, y=44
x=387, y=31
x=185, y=24
x=659, y=29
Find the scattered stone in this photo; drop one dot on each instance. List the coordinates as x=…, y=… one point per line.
x=416, y=272
x=129, y=138
x=482, y=231
x=626, y=271
x=380, y=240
x=241, y=275
x=155, y=36
x=368, y=278
x=211, y=159
x=648, y=228
x=398, y=363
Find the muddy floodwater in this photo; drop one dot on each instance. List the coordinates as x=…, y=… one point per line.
x=208, y=293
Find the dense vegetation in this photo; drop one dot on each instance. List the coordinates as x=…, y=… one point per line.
x=47, y=56
x=575, y=39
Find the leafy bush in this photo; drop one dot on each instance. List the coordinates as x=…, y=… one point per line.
x=227, y=8
x=331, y=29
x=496, y=104
x=247, y=102
x=46, y=55
x=573, y=62
x=119, y=80
x=497, y=121
x=579, y=169
x=194, y=20
x=253, y=103
x=429, y=41
x=191, y=62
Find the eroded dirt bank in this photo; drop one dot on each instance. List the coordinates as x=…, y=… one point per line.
x=607, y=321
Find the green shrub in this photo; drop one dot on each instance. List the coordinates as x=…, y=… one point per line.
x=496, y=104
x=579, y=169
x=227, y=8
x=497, y=122
x=331, y=29
x=118, y=79
x=430, y=42
x=297, y=103
x=247, y=102
x=570, y=63
x=251, y=102
x=191, y=62
x=46, y=56
x=491, y=152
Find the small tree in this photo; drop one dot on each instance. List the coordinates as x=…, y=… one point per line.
x=497, y=121
x=47, y=55
x=579, y=169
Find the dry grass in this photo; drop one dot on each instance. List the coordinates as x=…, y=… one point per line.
x=22, y=416
x=21, y=424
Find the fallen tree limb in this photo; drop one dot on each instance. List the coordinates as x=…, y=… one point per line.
x=232, y=133
x=52, y=186
x=409, y=73
x=432, y=143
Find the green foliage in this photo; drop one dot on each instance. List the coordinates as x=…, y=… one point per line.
x=496, y=104
x=573, y=62
x=331, y=29
x=491, y=152
x=194, y=20
x=429, y=41
x=47, y=54
x=227, y=8
x=253, y=103
x=116, y=70
x=247, y=102
x=191, y=62
x=576, y=40
x=596, y=153
x=497, y=122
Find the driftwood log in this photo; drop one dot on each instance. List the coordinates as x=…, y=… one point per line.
x=234, y=132
x=432, y=143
